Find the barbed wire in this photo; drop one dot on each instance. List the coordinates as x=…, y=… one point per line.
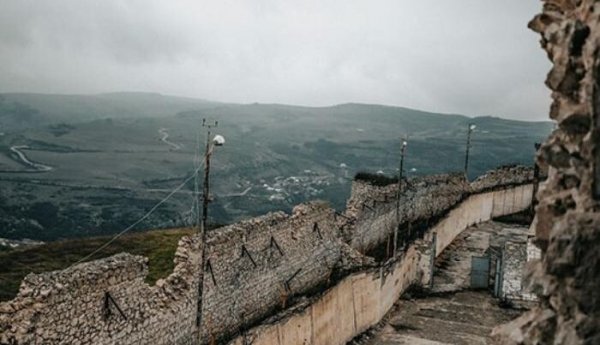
x=144, y=217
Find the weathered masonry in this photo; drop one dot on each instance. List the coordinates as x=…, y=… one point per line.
x=567, y=224
x=362, y=299
x=301, y=278
x=253, y=266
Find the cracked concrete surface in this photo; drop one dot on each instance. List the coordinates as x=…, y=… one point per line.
x=453, y=314
x=453, y=266
x=465, y=317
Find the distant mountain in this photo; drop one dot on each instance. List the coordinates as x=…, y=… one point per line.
x=27, y=110
x=73, y=166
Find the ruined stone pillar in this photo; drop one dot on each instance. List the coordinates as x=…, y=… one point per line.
x=567, y=279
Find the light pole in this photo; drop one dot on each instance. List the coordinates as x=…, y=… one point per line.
x=470, y=130
x=217, y=140
x=402, y=152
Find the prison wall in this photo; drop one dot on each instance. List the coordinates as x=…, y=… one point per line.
x=256, y=266
x=351, y=307
x=373, y=212
x=254, y=271
x=479, y=208
x=502, y=177
x=361, y=300
x=376, y=211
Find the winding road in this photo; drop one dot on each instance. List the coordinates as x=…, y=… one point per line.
x=37, y=167
x=165, y=139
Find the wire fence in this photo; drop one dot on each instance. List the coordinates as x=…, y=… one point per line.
x=144, y=217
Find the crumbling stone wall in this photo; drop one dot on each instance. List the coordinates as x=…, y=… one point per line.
x=567, y=279
x=514, y=257
x=70, y=306
x=370, y=217
x=509, y=175
x=255, y=266
x=253, y=269
x=534, y=254
x=361, y=300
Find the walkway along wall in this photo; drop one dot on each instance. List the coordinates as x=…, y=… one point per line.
x=254, y=270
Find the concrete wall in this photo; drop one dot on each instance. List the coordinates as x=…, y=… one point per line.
x=480, y=208
x=348, y=309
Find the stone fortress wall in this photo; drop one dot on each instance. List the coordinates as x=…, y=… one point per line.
x=79, y=305
x=362, y=299
x=566, y=279
x=259, y=267
x=372, y=209
x=256, y=264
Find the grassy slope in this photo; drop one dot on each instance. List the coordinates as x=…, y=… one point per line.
x=158, y=245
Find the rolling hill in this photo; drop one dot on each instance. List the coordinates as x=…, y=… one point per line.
x=74, y=166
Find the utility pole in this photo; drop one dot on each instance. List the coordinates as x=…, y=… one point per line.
x=470, y=130
x=210, y=145
x=206, y=186
x=398, y=193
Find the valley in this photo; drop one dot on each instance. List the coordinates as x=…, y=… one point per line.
x=79, y=166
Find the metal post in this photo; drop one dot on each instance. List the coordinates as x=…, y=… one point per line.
x=205, y=187
x=432, y=259
x=398, y=193
x=469, y=131
x=203, y=219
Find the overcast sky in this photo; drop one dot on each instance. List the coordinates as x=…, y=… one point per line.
x=472, y=57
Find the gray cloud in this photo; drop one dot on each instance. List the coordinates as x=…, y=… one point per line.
x=474, y=57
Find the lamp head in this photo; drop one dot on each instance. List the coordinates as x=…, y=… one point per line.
x=404, y=143
x=472, y=127
x=218, y=140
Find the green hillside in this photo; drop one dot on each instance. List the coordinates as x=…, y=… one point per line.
x=158, y=245
x=98, y=163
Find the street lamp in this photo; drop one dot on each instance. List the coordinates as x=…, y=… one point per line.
x=470, y=130
x=217, y=140
x=402, y=153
